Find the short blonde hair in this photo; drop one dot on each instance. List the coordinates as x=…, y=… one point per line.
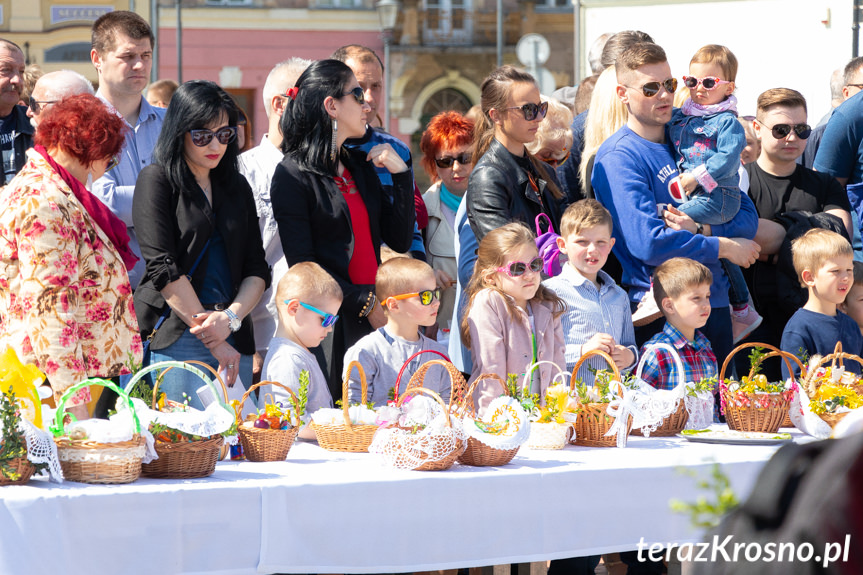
x=400, y=275
x=584, y=215
x=309, y=283
x=858, y=273
x=812, y=249
x=556, y=125
x=606, y=115
x=716, y=54
x=674, y=277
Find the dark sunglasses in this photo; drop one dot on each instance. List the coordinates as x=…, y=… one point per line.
x=448, y=161
x=203, y=137
x=780, y=131
x=426, y=296
x=115, y=161
x=327, y=319
x=652, y=88
x=358, y=95
x=531, y=110
x=709, y=82
x=36, y=105
x=517, y=269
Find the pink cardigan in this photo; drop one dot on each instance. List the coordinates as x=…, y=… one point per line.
x=502, y=345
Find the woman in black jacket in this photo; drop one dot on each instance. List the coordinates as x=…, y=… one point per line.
x=329, y=203
x=508, y=184
x=195, y=216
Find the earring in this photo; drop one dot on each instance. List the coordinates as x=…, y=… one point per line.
x=333, y=149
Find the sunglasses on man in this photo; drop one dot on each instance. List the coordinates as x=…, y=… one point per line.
x=651, y=89
x=781, y=131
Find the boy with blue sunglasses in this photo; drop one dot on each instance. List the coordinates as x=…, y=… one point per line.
x=408, y=292
x=308, y=299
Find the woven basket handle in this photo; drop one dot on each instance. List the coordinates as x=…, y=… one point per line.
x=837, y=356
x=573, y=379
x=364, y=386
x=467, y=406
x=457, y=383
x=678, y=364
x=58, y=429
x=187, y=365
x=430, y=393
x=407, y=363
x=216, y=377
x=774, y=353
x=296, y=401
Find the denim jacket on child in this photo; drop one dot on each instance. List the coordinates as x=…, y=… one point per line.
x=707, y=144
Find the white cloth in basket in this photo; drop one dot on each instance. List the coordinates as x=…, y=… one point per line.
x=803, y=418
x=700, y=407
x=41, y=449
x=358, y=414
x=508, y=412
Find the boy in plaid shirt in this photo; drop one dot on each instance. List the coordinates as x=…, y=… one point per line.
x=682, y=290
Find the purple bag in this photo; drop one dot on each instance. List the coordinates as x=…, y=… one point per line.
x=546, y=243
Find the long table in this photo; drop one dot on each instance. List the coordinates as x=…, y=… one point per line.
x=324, y=512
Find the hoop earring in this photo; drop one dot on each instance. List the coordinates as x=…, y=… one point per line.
x=333, y=148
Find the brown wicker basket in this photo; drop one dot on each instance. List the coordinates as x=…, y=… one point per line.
x=478, y=453
x=21, y=467
x=671, y=425
x=593, y=421
x=347, y=436
x=810, y=384
x=763, y=413
x=457, y=389
x=460, y=446
x=267, y=444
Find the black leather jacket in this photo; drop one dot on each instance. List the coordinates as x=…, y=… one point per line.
x=499, y=192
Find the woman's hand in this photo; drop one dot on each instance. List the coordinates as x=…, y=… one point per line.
x=384, y=156
x=442, y=279
x=229, y=361
x=377, y=318
x=213, y=327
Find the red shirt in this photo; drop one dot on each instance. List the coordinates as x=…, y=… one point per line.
x=364, y=264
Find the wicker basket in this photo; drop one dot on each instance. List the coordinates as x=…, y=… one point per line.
x=676, y=422
x=267, y=444
x=810, y=384
x=457, y=389
x=548, y=435
x=93, y=462
x=20, y=466
x=478, y=453
x=593, y=421
x=190, y=459
x=764, y=412
x=347, y=436
x=446, y=462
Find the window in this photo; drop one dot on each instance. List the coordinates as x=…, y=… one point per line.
x=228, y=2
x=447, y=22
x=349, y=4
x=554, y=5
x=71, y=52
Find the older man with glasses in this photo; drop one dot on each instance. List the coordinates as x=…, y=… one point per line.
x=53, y=87
x=16, y=133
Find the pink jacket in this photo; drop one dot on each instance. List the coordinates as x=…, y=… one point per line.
x=502, y=345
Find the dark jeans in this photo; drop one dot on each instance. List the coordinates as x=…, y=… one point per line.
x=645, y=567
x=574, y=565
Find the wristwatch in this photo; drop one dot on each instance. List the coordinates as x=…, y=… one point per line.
x=699, y=229
x=235, y=322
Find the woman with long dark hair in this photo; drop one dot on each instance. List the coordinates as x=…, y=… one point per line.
x=329, y=203
x=196, y=222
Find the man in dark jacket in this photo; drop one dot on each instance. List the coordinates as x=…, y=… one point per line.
x=16, y=133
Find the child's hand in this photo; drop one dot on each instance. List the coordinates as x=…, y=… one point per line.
x=622, y=356
x=600, y=341
x=688, y=182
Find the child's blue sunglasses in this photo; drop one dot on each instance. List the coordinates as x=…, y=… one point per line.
x=327, y=319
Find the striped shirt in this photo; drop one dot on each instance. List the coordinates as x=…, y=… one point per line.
x=591, y=310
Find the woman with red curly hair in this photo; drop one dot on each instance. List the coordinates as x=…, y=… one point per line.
x=65, y=299
x=446, y=146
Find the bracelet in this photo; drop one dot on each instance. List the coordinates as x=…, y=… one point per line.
x=369, y=305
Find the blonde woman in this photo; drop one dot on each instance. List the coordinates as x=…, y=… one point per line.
x=553, y=141
x=606, y=115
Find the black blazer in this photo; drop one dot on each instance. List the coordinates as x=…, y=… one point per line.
x=173, y=227
x=499, y=192
x=315, y=223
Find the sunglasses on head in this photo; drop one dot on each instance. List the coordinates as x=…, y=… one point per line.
x=426, y=296
x=709, y=82
x=358, y=95
x=204, y=136
x=327, y=319
x=36, y=105
x=448, y=161
x=780, y=131
x=531, y=110
x=517, y=269
x=652, y=88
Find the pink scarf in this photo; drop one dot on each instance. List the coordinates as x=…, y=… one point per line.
x=111, y=225
x=690, y=108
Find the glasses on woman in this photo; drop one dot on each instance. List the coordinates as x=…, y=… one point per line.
x=203, y=137
x=651, y=89
x=358, y=94
x=709, y=83
x=518, y=269
x=327, y=319
x=448, y=161
x=781, y=131
x=426, y=296
x=531, y=110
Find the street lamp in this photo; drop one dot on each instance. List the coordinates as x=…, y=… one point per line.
x=388, y=11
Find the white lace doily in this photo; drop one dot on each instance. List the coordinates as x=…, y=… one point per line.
x=511, y=419
x=41, y=449
x=402, y=449
x=700, y=408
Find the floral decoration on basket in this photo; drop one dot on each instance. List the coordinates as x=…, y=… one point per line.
x=97, y=450
x=352, y=427
x=15, y=468
x=753, y=403
x=495, y=438
x=269, y=435
x=552, y=421
x=187, y=441
x=828, y=393
x=424, y=437
x=599, y=407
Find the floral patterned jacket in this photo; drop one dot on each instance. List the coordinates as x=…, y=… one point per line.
x=65, y=299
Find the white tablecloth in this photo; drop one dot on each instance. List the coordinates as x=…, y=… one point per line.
x=322, y=512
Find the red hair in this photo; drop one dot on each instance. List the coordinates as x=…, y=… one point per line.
x=83, y=127
x=446, y=130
